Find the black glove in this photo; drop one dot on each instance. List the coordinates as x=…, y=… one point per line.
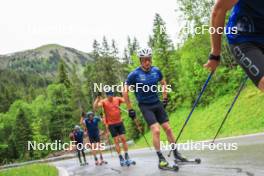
x=165, y=102
x=132, y=114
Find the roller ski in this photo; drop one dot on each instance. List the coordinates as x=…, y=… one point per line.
x=103, y=162
x=179, y=159
x=84, y=164
x=188, y=161
x=130, y=162
x=164, y=165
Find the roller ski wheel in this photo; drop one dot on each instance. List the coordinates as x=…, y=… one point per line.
x=198, y=160
x=105, y=162
x=130, y=162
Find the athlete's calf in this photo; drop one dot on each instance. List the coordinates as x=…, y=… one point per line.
x=261, y=84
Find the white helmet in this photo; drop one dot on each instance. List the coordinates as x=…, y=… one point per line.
x=77, y=127
x=145, y=52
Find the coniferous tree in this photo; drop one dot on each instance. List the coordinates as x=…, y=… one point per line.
x=162, y=48
x=78, y=101
x=135, y=45
x=61, y=114
x=163, y=55
x=132, y=46
x=63, y=75
x=126, y=56
x=105, y=47
x=22, y=133
x=114, y=49
x=96, y=49
x=129, y=46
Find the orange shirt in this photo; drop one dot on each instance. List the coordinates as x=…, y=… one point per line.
x=112, y=111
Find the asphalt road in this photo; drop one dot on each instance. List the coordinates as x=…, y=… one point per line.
x=247, y=160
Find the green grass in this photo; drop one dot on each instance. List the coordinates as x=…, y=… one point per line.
x=246, y=117
x=31, y=170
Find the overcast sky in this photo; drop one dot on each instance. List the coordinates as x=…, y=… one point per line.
x=27, y=24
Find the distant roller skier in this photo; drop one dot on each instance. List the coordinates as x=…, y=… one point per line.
x=77, y=136
x=91, y=122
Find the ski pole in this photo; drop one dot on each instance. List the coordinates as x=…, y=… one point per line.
x=122, y=109
x=194, y=106
x=138, y=128
x=242, y=85
x=109, y=142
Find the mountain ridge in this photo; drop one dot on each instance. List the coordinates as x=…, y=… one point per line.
x=44, y=59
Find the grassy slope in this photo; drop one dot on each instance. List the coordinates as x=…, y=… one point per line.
x=31, y=170
x=247, y=116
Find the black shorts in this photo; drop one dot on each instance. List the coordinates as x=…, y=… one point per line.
x=94, y=139
x=154, y=113
x=117, y=129
x=250, y=56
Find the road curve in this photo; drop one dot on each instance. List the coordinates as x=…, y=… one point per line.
x=247, y=160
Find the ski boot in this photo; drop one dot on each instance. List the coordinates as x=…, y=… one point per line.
x=128, y=160
x=163, y=162
x=122, y=161
x=164, y=165
x=96, y=161
x=81, y=164
x=102, y=161
x=178, y=157
x=85, y=162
